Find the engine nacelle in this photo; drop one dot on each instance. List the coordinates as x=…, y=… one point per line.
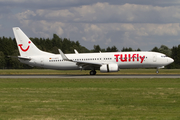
x=109, y=68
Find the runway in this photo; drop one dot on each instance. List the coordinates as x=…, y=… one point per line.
x=92, y=76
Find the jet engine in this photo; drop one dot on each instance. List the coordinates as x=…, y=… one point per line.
x=109, y=68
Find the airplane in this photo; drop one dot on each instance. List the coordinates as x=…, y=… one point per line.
x=103, y=61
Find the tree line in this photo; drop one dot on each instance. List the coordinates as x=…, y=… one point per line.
x=8, y=47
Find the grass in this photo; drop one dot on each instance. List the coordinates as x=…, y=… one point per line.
x=90, y=99
x=83, y=72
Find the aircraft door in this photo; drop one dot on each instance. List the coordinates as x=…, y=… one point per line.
x=154, y=58
x=42, y=61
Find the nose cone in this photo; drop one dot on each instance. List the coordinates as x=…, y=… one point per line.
x=170, y=60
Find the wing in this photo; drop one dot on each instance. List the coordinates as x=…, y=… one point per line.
x=81, y=64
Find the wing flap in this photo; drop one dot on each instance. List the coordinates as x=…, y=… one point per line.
x=87, y=63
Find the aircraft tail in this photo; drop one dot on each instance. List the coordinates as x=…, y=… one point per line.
x=25, y=46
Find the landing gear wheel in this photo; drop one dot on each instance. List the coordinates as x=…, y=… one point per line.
x=157, y=71
x=92, y=72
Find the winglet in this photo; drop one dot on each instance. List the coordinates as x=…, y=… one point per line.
x=63, y=55
x=76, y=51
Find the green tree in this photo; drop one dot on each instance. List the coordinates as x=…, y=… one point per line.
x=175, y=56
x=126, y=49
x=114, y=49
x=96, y=48
x=138, y=49
x=108, y=49
x=56, y=41
x=155, y=49
x=2, y=60
x=164, y=49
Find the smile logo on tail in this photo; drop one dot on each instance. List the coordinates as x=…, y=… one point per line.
x=24, y=50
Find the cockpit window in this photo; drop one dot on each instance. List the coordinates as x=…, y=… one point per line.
x=163, y=56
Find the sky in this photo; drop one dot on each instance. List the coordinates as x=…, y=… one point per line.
x=137, y=24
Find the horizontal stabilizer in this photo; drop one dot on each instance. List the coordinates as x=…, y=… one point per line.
x=24, y=58
x=19, y=57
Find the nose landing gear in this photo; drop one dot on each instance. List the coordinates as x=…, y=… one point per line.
x=157, y=71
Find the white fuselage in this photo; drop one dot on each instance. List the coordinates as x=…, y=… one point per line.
x=122, y=59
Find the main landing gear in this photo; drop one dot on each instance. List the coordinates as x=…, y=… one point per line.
x=92, y=72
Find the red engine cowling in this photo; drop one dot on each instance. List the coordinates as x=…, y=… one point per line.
x=109, y=68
